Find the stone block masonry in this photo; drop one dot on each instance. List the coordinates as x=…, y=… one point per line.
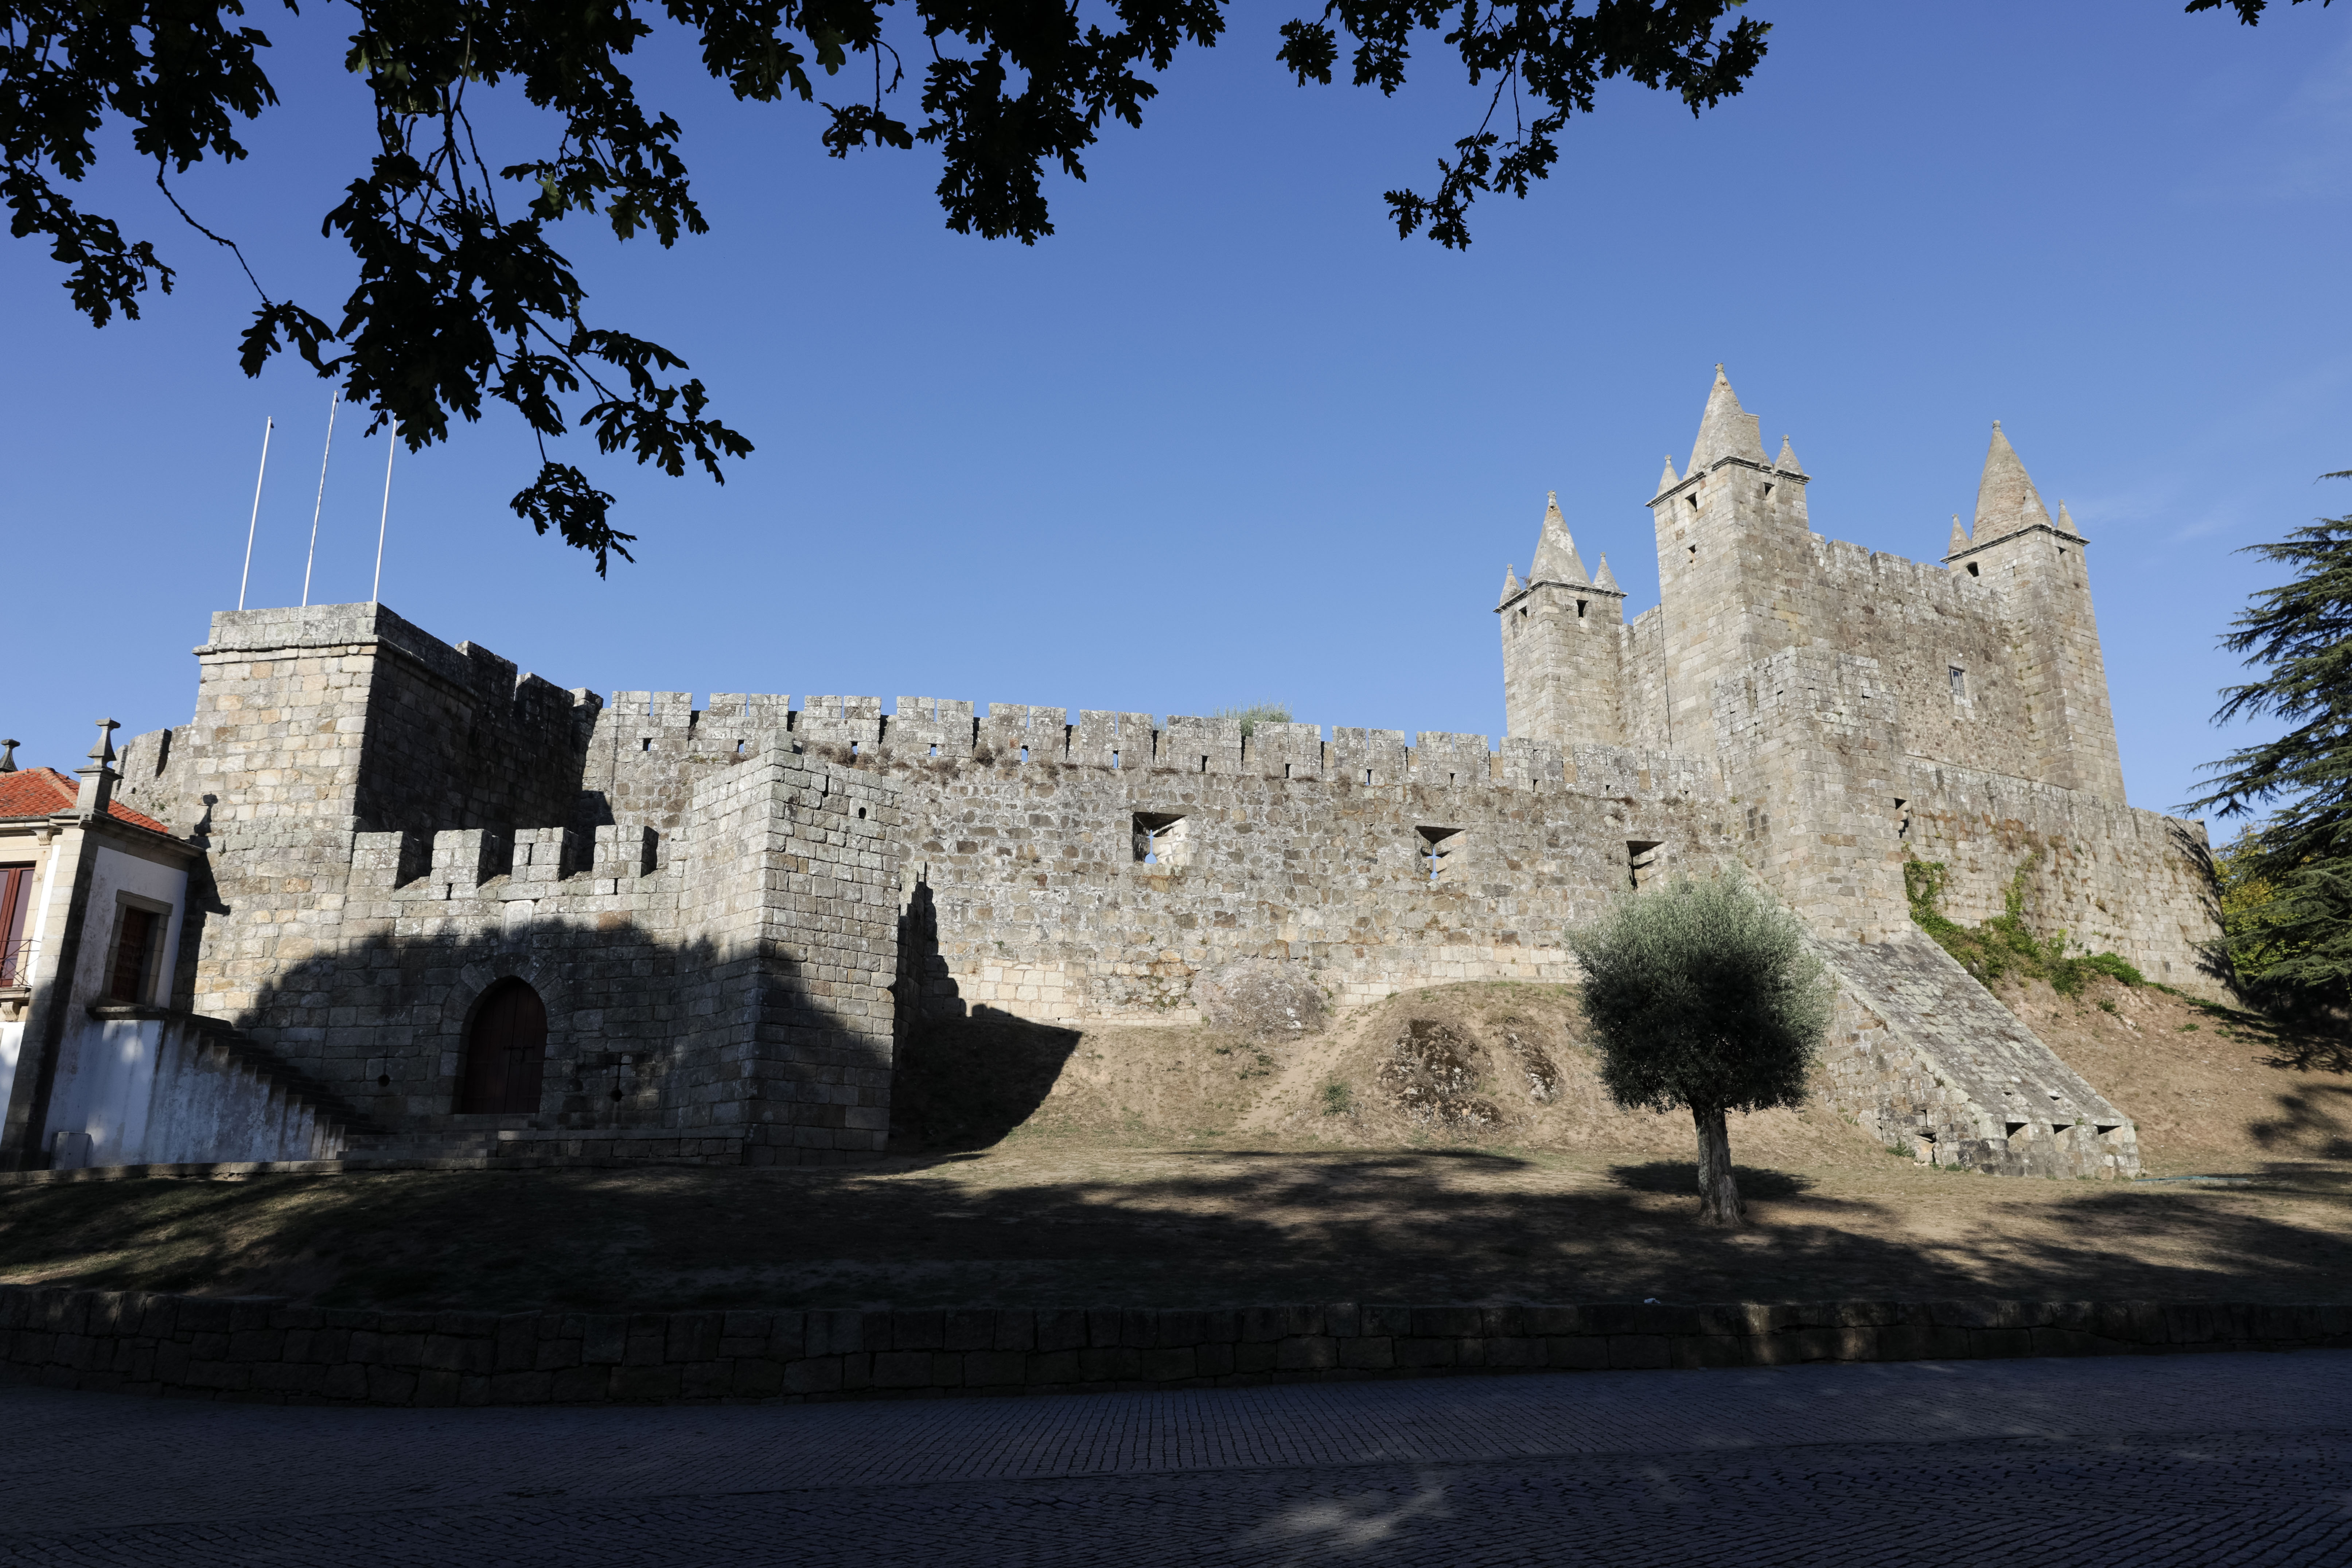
x=271, y=1352
x=730, y=914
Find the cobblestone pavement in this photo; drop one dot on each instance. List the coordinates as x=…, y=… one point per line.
x=2182, y=1459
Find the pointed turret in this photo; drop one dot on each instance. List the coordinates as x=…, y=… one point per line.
x=1960, y=540
x=1556, y=558
x=1786, y=461
x=2006, y=499
x=1725, y=430
x=2066, y=523
x=1668, y=480
x=1510, y=585
x=1604, y=578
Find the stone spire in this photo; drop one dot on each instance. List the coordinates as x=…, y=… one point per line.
x=2066, y=523
x=1604, y=578
x=1960, y=540
x=1725, y=430
x=1510, y=583
x=1667, y=480
x=2006, y=499
x=1787, y=462
x=1556, y=557
x=97, y=779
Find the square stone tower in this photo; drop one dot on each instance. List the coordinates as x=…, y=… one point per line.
x=1563, y=635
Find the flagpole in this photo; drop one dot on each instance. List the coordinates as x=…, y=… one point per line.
x=267, y=425
x=332, y=399
x=375, y=595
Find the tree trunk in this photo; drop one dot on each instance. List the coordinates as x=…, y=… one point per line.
x=1718, y=1195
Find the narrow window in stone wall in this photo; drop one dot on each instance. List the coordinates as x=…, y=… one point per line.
x=1902, y=818
x=1438, y=845
x=1158, y=838
x=1959, y=683
x=1641, y=862
x=1580, y=609
x=645, y=744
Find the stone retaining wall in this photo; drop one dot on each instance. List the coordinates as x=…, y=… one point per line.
x=264, y=1349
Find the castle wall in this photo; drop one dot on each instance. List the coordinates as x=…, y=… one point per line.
x=2113, y=877
x=1643, y=702
x=1920, y=622
x=737, y=994
x=1044, y=911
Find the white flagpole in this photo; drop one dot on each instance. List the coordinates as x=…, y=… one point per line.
x=332, y=398
x=375, y=595
x=267, y=425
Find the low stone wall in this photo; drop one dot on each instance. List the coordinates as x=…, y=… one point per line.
x=264, y=1349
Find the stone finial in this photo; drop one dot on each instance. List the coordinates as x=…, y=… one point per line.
x=97, y=779
x=1668, y=480
x=8, y=756
x=2006, y=499
x=1725, y=430
x=1510, y=583
x=1603, y=578
x=1556, y=558
x=1786, y=461
x=1960, y=540
x=2066, y=523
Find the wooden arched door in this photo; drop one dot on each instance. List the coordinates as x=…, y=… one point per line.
x=506, y=1049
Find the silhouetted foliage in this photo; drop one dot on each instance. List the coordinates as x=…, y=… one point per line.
x=2286, y=881
x=461, y=296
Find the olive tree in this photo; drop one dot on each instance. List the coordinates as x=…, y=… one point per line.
x=1701, y=994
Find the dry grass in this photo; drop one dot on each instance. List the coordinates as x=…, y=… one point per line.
x=1176, y=1167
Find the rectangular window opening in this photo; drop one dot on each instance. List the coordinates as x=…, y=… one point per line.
x=1902, y=818
x=645, y=744
x=1438, y=847
x=1160, y=838
x=1114, y=758
x=134, y=945
x=1959, y=683
x=1580, y=609
x=15, y=904
x=1641, y=862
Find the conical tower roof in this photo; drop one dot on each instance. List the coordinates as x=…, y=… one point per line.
x=1604, y=578
x=1668, y=480
x=1725, y=430
x=1786, y=461
x=1960, y=540
x=1556, y=557
x=1510, y=583
x=2006, y=499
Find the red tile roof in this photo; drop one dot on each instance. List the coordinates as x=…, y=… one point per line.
x=41, y=792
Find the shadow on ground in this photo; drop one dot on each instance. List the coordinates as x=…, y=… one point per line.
x=1077, y=1224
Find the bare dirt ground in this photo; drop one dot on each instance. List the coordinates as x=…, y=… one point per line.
x=1451, y=1144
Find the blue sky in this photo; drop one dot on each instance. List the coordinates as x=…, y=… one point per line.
x=1223, y=438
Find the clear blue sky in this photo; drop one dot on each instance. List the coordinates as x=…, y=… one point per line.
x=1223, y=438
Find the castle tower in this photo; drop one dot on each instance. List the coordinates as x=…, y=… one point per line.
x=1562, y=658
x=1734, y=546
x=2039, y=568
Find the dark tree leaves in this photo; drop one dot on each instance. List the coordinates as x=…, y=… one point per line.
x=2301, y=634
x=461, y=300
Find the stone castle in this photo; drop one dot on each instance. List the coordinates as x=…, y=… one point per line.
x=430, y=909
